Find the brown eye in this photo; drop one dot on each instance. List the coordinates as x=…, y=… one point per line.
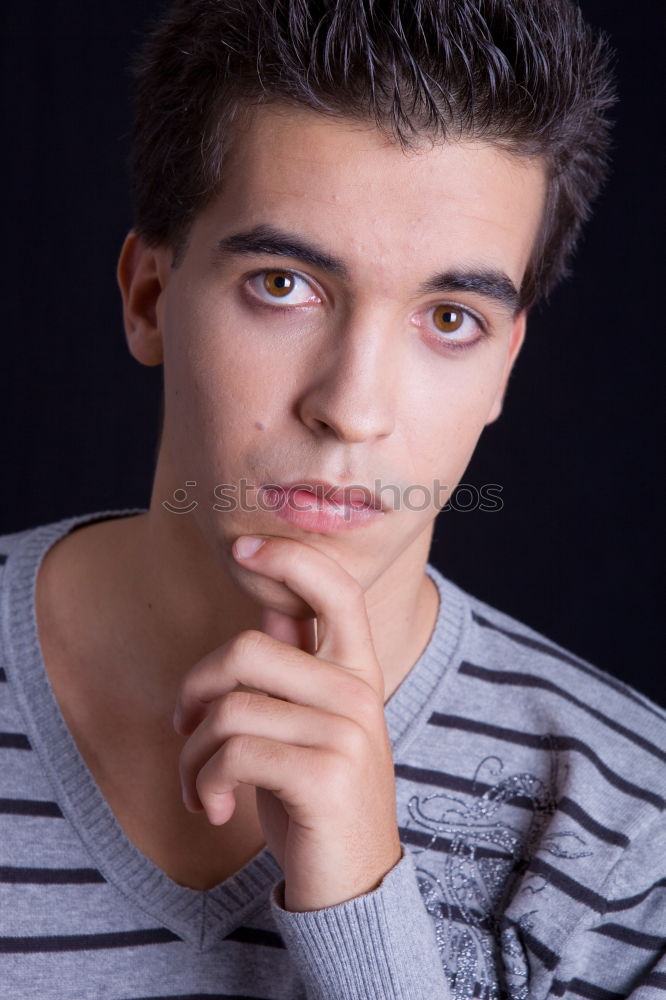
x=278, y=283
x=447, y=319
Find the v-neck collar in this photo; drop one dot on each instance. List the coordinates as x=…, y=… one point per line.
x=201, y=917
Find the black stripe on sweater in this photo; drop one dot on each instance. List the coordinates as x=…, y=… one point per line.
x=537, y=866
x=489, y=924
x=656, y=979
x=544, y=647
x=629, y=902
x=572, y=809
x=584, y=989
x=629, y=936
x=548, y=742
x=256, y=935
x=520, y=679
x=444, y=845
x=30, y=807
x=467, y=917
x=86, y=942
x=441, y=779
x=567, y=885
x=50, y=876
x=3, y=558
x=3, y=676
x=548, y=958
x=558, y=879
x=14, y=741
x=202, y=996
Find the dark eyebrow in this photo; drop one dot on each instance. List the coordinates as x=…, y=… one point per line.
x=489, y=282
x=267, y=239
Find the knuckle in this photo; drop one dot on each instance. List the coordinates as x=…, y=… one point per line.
x=352, y=739
x=235, y=748
x=335, y=775
x=228, y=709
x=221, y=766
x=246, y=643
x=368, y=708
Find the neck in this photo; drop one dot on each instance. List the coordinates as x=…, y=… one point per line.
x=177, y=601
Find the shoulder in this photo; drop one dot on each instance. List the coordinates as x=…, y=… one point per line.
x=21, y=555
x=9, y=542
x=516, y=655
x=33, y=541
x=525, y=690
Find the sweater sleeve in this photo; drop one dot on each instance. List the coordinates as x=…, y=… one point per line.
x=378, y=946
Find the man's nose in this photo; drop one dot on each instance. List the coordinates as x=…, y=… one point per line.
x=351, y=390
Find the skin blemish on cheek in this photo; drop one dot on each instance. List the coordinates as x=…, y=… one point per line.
x=258, y=424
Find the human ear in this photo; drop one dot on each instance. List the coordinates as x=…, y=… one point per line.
x=515, y=343
x=142, y=273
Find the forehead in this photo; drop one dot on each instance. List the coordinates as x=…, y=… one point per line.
x=346, y=185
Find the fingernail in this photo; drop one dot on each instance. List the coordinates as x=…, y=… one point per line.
x=247, y=545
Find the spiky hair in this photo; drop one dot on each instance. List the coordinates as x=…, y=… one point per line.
x=529, y=76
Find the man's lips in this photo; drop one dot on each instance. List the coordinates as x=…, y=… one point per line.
x=355, y=496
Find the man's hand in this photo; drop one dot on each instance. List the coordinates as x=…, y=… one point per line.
x=314, y=743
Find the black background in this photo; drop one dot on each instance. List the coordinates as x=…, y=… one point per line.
x=576, y=552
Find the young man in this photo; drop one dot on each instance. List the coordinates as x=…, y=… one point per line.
x=316, y=768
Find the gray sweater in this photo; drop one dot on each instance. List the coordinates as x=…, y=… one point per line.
x=530, y=791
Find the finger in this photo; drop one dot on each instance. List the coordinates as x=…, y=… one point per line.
x=261, y=663
x=290, y=772
x=343, y=628
x=243, y=713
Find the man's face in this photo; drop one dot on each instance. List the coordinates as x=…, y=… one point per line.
x=279, y=369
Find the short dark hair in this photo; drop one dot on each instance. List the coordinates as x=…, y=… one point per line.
x=529, y=76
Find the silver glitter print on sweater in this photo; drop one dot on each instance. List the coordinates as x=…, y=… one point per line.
x=473, y=864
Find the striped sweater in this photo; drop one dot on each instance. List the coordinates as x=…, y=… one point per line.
x=530, y=790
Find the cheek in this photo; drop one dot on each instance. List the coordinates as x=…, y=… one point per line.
x=447, y=417
x=213, y=362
